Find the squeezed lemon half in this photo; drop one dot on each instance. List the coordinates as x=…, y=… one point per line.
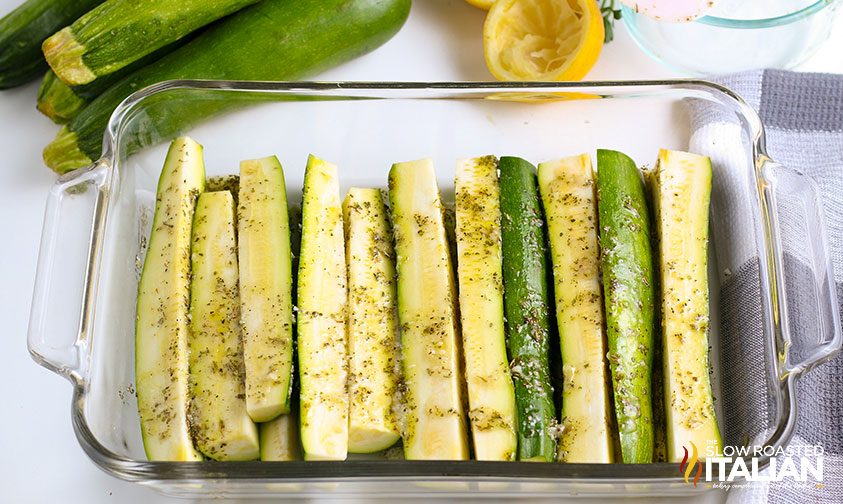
x=542, y=40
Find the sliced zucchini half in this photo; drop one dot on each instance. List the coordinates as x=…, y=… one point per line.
x=161, y=330
x=570, y=205
x=491, y=396
x=629, y=299
x=322, y=300
x=373, y=353
x=279, y=439
x=266, y=298
x=219, y=421
x=434, y=419
x=527, y=308
x=682, y=194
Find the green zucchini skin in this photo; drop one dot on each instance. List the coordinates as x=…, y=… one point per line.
x=526, y=305
x=299, y=37
x=57, y=100
x=24, y=29
x=629, y=294
x=659, y=420
x=119, y=32
x=61, y=103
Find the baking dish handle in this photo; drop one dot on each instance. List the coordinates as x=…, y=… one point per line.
x=60, y=313
x=806, y=303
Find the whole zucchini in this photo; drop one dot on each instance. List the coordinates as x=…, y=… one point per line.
x=629, y=294
x=61, y=103
x=119, y=32
x=57, y=100
x=273, y=40
x=24, y=29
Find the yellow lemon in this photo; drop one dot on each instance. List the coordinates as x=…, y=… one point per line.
x=481, y=4
x=542, y=40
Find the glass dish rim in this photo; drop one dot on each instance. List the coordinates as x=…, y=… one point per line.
x=753, y=24
x=661, y=473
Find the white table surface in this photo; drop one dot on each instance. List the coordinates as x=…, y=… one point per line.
x=41, y=460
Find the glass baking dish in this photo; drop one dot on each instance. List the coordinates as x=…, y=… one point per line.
x=97, y=218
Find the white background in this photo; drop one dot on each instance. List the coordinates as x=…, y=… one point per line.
x=40, y=460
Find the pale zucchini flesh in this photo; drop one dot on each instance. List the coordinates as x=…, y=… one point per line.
x=682, y=194
x=266, y=285
x=434, y=422
x=322, y=301
x=279, y=439
x=220, y=424
x=568, y=194
x=373, y=353
x=161, y=331
x=491, y=396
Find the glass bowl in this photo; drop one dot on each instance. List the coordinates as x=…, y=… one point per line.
x=737, y=35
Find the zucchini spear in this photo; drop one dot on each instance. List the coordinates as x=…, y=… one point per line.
x=266, y=285
x=321, y=322
x=628, y=286
x=434, y=417
x=491, y=397
x=162, y=326
x=570, y=204
x=682, y=187
x=373, y=353
x=219, y=421
x=279, y=438
x=526, y=297
x=120, y=32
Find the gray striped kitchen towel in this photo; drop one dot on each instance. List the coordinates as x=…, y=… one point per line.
x=803, y=116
